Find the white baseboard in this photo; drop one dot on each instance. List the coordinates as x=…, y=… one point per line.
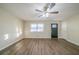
x=16, y=40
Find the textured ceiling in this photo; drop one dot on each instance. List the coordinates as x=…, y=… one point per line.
x=26, y=11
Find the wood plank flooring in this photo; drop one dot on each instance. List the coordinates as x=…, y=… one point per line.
x=41, y=47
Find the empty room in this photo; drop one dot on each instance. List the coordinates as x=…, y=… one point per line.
x=39, y=28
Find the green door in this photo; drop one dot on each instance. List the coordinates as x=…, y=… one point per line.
x=54, y=30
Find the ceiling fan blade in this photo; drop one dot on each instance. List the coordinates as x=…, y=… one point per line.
x=40, y=15
x=51, y=5
x=46, y=6
x=38, y=10
x=55, y=12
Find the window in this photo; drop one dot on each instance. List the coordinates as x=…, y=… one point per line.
x=54, y=26
x=37, y=27
x=33, y=27
x=40, y=27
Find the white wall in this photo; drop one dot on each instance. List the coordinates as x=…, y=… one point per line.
x=64, y=30
x=9, y=26
x=70, y=29
x=45, y=34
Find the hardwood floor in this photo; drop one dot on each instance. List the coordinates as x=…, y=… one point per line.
x=41, y=47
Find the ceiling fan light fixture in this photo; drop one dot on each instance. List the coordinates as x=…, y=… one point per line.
x=45, y=15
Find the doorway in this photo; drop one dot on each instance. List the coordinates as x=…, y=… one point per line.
x=54, y=30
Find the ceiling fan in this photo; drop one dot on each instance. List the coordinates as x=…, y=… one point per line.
x=45, y=12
